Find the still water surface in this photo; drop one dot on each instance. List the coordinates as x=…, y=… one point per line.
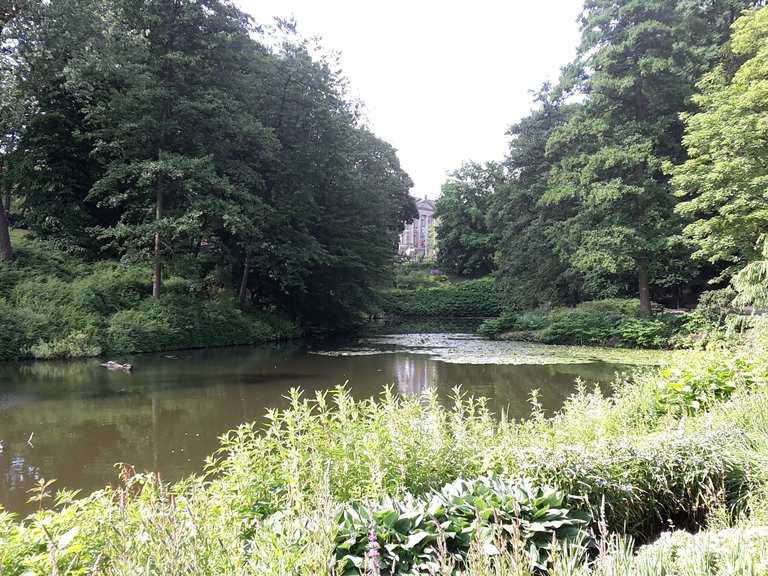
x=73, y=420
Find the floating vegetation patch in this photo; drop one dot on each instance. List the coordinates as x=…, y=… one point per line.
x=470, y=349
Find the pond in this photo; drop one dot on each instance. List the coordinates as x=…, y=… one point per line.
x=72, y=421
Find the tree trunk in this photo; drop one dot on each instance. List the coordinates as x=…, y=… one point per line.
x=645, y=294
x=244, y=280
x=6, y=250
x=157, y=267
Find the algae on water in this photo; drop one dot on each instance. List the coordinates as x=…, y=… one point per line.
x=470, y=349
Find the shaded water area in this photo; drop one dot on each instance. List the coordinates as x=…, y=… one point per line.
x=73, y=420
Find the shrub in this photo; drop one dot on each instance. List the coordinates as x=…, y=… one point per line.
x=640, y=484
x=146, y=329
x=273, y=326
x=730, y=552
x=493, y=327
x=57, y=306
x=413, y=279
x=177, y=322
x=34, y=256
x=110, y=288
x=645, y=332
x=9, y=277
x=577, y=329
x=602, y=322
x=476, y=298
x=74, y=345
x=707, y=378
x=14, y=337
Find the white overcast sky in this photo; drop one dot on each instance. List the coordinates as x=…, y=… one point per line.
x=441, y=81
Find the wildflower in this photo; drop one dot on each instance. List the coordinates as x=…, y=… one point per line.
x=373, y=552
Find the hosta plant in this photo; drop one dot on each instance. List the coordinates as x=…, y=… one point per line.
x=419, y=533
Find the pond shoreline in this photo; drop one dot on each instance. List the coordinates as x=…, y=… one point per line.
x=167, y=415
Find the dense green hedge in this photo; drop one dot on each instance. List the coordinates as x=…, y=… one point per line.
x=461, y=299
x=54, y=305
x=613, y=322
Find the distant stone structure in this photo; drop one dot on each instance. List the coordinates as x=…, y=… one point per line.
x=417, y=240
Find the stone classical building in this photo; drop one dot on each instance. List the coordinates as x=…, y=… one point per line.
x=417, y=240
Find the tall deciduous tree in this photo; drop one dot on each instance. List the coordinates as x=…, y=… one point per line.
x=337, y=195
x=724, y=180
x=465, y=240
x=160, y=88
x=529, y=270
x=638, y=65
x=14, y=108
x=57, y=168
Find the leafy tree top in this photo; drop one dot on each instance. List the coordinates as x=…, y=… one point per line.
x=723, y=182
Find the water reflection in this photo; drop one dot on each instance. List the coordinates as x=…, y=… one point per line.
x=168, y=414
x=509, y=387
x=413, y=373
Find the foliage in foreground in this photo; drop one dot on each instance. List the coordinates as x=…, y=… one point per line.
x=273, y=501
x=414, y=534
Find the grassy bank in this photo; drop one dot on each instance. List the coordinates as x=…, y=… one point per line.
x=55, y=305
x=611, y=322
x=336, y=486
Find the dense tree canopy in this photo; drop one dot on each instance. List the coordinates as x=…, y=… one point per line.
x=14, y=110
x=639, y=63
x=466, y=243
x=179, y=134
x=587, y=203
x=723, y=182
x=529, y=270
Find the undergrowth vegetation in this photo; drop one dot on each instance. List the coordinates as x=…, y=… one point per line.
x=472, y=298
x=409, y=485
x=612, y=322
x=54, y=305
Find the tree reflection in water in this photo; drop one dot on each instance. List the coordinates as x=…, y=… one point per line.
x=413, y=373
